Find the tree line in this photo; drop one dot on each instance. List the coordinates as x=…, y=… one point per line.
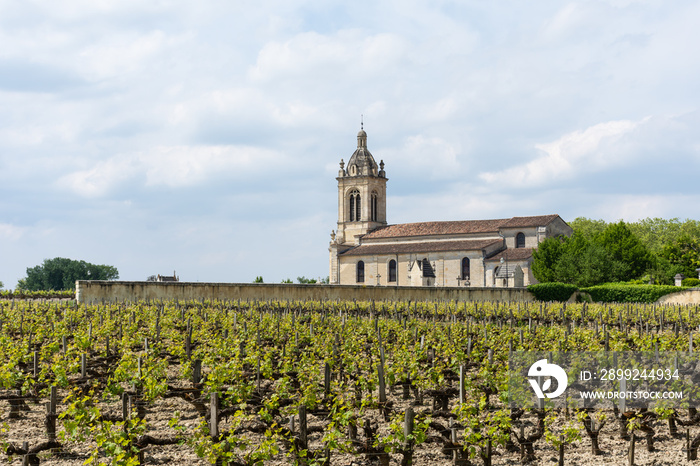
x=651, y=250
x=61, y=274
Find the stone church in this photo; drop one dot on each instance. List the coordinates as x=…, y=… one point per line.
x=365, y=250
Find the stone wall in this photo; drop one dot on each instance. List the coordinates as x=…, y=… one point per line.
x=117, y=291
x=682, y=297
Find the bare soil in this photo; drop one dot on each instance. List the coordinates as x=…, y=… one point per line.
x=30, y=428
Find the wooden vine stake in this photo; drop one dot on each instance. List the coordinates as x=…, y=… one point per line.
x=53, y=399
x=487, y=453
x=382, y=383
x=407, y=431
x=196, y=371
x=50, y=423
x=188, y=346
x=631, y=450
x=327, y=379
x=214, y=421
x=303, y=432
x=561, y=450
x=25, y=457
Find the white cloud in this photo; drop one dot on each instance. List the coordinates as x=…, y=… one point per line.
x=129, y=52
x=101, y=178
x=38, y=133
x=455, y=203
x=187, y=166
x=441, y=110
x=633, y=207
x=562, y=23
x=596, y=148
x=11, y=232
x=431, y=156
x=172, y=167
x=353, y=52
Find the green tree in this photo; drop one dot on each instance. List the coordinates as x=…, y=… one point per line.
x=598, y=252
x=683, y=255
x=258, y=279
x=587, y=227
x=596, y=267
x=628, y=256
x=61, y=273
x=590, y=257
x=545, y=258
x=583, y=262
x=661, y=271
x=656, y=233
x=304, y=280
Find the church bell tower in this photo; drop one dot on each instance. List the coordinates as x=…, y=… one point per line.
x=361, y=200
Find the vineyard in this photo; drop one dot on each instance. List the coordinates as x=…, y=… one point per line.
x=48, y=294
x=314, y=383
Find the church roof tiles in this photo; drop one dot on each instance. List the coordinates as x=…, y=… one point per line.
x=435, y=228
x=534, y=221
x=457, y=227
x=419, y=247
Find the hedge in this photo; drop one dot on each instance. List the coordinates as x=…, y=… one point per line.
x=607, y=293
x=624, y=293
x=44, y=294
x=691, y=282
x=552, y=291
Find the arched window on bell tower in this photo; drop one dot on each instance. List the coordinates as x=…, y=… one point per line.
x=355, y=207
x=373, y=206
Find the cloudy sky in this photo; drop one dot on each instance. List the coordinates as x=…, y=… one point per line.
x=204, y=137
